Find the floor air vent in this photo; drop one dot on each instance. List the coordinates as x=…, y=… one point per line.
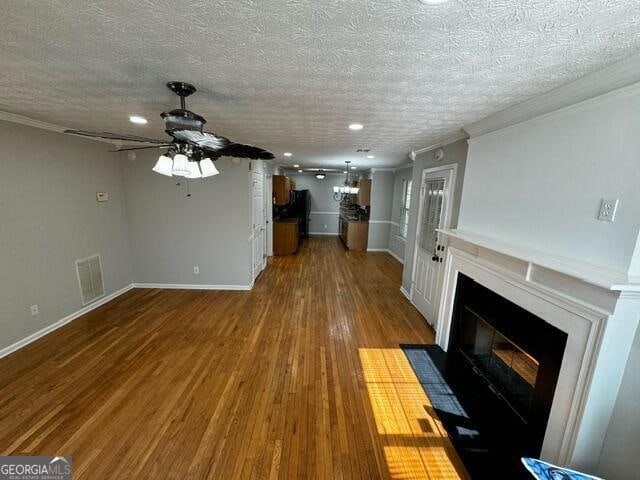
x=89, y=272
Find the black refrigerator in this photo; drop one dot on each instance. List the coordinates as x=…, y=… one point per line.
x=300, y=208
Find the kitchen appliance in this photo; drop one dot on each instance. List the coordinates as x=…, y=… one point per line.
x=300, y=208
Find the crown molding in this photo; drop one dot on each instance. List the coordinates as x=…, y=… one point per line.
x=454, y=137
x=30, y=122
x=595, y=84
x=403, y=167
x=52, y=127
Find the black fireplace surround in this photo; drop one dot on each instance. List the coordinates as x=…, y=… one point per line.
x=502, y=366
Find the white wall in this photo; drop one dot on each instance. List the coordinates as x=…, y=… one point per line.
x=621, y=451
x=324, y=209
x=455, y=152
x=539, y=183
x=381, y=207
x=170, y=233
x=49, y=217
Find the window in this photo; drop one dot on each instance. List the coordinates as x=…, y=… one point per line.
x=404, y=208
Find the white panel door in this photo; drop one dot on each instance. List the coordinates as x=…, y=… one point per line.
x=429, y=253
x=258, y=223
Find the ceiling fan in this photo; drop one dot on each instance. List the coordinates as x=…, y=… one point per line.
x=190, y=151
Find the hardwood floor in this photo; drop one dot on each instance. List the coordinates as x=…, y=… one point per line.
x=300, y=378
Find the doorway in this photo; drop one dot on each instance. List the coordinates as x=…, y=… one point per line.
x=258, y=219
x=434, y=212
x=268, y=205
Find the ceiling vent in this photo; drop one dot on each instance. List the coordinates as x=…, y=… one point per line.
x=89, y=272
x=363, y=150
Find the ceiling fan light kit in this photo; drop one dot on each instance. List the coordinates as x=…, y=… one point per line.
x=191, y=151
x=164, y=166
x=208, y=168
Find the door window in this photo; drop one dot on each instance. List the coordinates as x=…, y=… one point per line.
x=431, y=213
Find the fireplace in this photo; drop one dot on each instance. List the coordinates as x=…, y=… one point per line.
x=584, y=320
x=493, y=388
x=513, y=355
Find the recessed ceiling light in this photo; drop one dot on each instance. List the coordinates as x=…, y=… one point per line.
x=296, y=165
x=287, y=154
x=356, y=126
x=371, y=156
x=137, y=119
x=353, y=168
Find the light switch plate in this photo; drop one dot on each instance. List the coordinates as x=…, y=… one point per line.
x=34, y=310
x=608, y=207
x=196, y=270
x=102, y=196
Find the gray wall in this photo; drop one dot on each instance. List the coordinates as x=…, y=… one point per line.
x=453, y=153
x=170, y=233
x=397, y=244
x=324, y=209
x=381, y=203
x=49, y=217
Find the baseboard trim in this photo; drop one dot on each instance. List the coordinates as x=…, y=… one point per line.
x=323, y=233
x=386, y=250
x=62, y=322
x=405, y=293
x=187, y=286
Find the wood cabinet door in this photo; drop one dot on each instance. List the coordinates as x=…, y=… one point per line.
x=281, y=190
x=364, y=192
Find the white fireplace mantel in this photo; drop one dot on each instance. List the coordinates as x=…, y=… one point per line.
x=597, y=308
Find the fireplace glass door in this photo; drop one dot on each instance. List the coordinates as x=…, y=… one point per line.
x=503, y=363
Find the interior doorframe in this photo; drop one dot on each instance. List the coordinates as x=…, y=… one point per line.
x=452, y=169
x=268, y=200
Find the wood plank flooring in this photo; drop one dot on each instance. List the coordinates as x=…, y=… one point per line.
x=300, y=378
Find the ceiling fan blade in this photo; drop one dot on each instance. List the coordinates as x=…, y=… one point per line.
x=115, y=136
x=140, y=148
x=206, y=140
x=243, y=151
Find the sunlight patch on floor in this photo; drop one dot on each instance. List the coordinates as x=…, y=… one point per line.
x=414, y=442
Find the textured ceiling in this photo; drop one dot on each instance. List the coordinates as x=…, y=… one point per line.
x=290, y=75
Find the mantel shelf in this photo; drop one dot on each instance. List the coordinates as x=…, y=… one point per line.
x=592, y=274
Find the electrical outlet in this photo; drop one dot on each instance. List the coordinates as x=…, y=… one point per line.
x=34, y=310
x=196, y=270
x=608, y=207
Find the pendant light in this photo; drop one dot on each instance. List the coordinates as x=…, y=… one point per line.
x=342, y=192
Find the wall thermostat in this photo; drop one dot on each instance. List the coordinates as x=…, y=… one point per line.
x=102, y=197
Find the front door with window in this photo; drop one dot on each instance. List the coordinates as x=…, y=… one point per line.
x=433, y=213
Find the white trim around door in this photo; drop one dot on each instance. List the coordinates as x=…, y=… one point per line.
x=448, y=173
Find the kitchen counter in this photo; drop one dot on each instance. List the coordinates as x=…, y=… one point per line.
x=285, y=236
x=286, y=220
x=353, y=232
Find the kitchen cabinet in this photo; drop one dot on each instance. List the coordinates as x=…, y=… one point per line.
x=354, y=233
x=281, y=190
x=364, y=192
x=285, y=236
